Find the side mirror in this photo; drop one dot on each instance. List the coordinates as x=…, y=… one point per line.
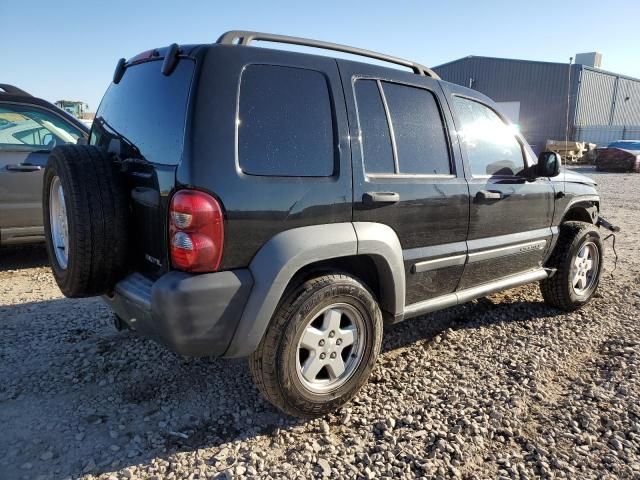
x=548, y=164
x=82, y=141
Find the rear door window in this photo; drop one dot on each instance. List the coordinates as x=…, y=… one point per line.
x=375, y=139
x=285, y=122
x=144, y=115
x=402, y=129
x=421, y=140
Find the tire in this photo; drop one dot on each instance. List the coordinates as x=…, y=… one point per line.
x=95, y=213
x=275, y=364
x=559, y=291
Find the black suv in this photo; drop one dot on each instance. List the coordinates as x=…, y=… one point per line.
x=240, y=201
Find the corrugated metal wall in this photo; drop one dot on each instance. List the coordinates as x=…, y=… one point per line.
x=603, y=106
x=608, y=107
x=540, y=87
x=603, y=134
x=627, y=106
x=597, y=91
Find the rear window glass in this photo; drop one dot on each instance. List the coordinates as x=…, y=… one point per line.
x=144, y=115
x=285, y=122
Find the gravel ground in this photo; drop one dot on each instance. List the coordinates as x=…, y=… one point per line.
x=503, y=387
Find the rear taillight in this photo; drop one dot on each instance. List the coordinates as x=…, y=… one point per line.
x=196, y=231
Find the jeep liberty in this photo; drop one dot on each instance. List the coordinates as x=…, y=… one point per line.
x=238, y=201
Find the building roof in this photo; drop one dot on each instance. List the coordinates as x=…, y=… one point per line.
x=481, y=57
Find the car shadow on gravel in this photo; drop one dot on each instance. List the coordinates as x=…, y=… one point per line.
x=244, y=414
x=122, y=399
x=476, y=314
x=23, y=256
x=117, y=399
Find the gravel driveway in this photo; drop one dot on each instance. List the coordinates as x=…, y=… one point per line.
x=503, y=387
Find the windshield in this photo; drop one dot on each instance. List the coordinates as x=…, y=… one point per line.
x=144, y=115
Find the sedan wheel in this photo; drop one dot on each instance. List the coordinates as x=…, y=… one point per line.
x=59, y=223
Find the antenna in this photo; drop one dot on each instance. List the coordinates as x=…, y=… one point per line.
x=566, y=127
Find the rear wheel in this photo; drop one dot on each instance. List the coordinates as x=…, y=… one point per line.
x=320, y=347
x=85, y=217
x=577, y=259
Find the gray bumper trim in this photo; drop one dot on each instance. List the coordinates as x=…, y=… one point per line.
x=193, y=315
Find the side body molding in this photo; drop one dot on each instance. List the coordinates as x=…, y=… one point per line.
x=287, y=252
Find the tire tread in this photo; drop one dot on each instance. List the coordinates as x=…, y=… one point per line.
x=555, y=290
x=263, y=363
x=97, y=218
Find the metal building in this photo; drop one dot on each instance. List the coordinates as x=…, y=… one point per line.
x=603, y=106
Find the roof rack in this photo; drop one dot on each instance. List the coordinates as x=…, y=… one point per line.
x=11, y=90
x=240, y=37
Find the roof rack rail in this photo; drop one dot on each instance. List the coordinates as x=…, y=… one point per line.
x=240, y=37
x=11, y=90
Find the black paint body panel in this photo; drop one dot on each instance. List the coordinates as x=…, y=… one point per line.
x=432, y=211
x=259, y=207
x=437, y=216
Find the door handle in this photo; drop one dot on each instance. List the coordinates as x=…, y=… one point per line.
x=23, y=167
x=484, y=195
x=380, y=197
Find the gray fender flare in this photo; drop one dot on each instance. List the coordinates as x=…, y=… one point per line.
x=381, y=243
x=589, y=204
x=287, y=252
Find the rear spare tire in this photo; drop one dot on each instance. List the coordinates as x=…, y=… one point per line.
x=85, y=220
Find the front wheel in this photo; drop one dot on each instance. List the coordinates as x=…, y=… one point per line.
x=320, y=347
x=577, y=259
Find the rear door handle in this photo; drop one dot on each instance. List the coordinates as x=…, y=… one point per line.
x=23, y=167
x=484, y=195
x=380, y=197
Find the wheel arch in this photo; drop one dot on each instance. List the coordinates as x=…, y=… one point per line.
x=360, y=249
x=582, y=210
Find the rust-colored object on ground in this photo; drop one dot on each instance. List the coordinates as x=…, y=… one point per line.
x=619, y=156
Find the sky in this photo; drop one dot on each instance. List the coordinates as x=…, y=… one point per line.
x=69, y=49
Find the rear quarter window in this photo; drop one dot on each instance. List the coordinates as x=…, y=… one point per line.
x=285, y=122
x=144, y=115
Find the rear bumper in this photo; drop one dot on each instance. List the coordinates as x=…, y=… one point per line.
x=193, y=315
